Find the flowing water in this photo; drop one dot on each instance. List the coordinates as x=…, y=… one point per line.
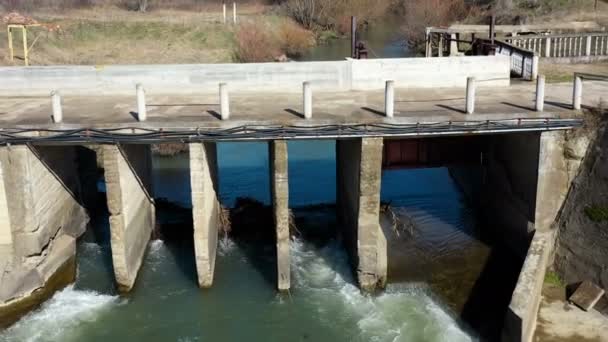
x=324, y=303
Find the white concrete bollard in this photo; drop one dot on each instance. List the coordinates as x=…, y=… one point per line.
x=234, y=12
x=56, y=103
x=389, y=99
x=307, y=100
x=471, y=89
x=224, y=102
x=224, y=10
x=535, y=61
x=540, y=93
x=577, y=93
x=142, y=114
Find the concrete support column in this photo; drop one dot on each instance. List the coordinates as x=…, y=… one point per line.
x=40, y=219
x=307, y=98
x=588, y=46
x=547, y=47
x=142, y=113
x=440, y=47
x=279, y=183
x=56, y=104
x=428, y=48
x=553, y=180
x=540, y=93
x=471, y=89
x=453, y=45
x=131, y=206
x=389, y=99
x=224, y=102
x=205, y=208
x=577, y=92
x=535, y=61
x=359, y=172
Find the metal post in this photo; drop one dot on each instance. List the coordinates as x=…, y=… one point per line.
x=10, y=43
x=56, y=104
x=224, y=102
x=577, y=95
x=470, y=105
x=26, y=54
x=234, y=12
x=142, y=115
x=389, y=99
x=353, y=36
x=492, y=28
x=307, y=100
x=540, y=93
x=224, y=10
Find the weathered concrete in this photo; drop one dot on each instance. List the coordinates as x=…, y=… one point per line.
x=582, y=244
x=205, y=208
x=279, y=183
x=359, y=171
x=131, y=207
x=342, y=75
x=520, y=320
x=40, y=217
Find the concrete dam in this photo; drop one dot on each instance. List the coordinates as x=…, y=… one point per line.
x=59, y=123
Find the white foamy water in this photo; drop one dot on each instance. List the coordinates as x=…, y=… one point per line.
x=403, y=312
x=61, y=317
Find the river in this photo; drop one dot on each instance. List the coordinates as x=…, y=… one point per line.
x=436, y=296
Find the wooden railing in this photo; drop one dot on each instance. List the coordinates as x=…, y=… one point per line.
x=564, y=45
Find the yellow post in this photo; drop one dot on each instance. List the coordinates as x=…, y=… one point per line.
x=25, y=52
x=10, y=42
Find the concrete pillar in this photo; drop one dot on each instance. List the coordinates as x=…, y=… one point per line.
x=577, y=92
x=131, y=207
x=224, y=102
x=279, y=183
x=205, y=208
x=588, y=46
x=142, y=113
x=548, y=47
x=453, y=45
x=428, y=48
x=440, y=47
x=389, y=99
x=535, y=61
x=307, y=98
x=224, y=12
x=56, y=104
x=553, y=180
x=40, y=218
x=234, y=12
x=471, y=89
x=540, y=93
x=359, y=172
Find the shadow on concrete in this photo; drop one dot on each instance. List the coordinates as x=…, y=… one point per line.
x=454, y=109
x=567, y=106
x=183, y=105
x=373, y=111
x=295, y=113
x=215, y=114
x=135, y=115
x=526, y=108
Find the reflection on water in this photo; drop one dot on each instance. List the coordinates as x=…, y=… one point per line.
x=443, y=259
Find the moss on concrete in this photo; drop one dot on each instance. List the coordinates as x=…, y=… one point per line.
x=597, y=213
x=553, y=279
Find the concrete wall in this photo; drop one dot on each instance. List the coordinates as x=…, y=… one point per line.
x=279, y=183
x=131, y=207
x=259, y=77
x=205, y=208
x=40, y=218
x=359, y=173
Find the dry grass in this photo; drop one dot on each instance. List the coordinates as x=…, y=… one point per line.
x=556, y=73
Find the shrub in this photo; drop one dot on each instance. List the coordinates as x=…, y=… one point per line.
x=419, y=14
x=294, y=39
x=255, y=43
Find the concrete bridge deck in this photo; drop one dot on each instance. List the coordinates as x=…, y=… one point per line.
x=267, y=110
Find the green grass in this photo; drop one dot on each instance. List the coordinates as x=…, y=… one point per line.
x=597, y=213
x=553, y=278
